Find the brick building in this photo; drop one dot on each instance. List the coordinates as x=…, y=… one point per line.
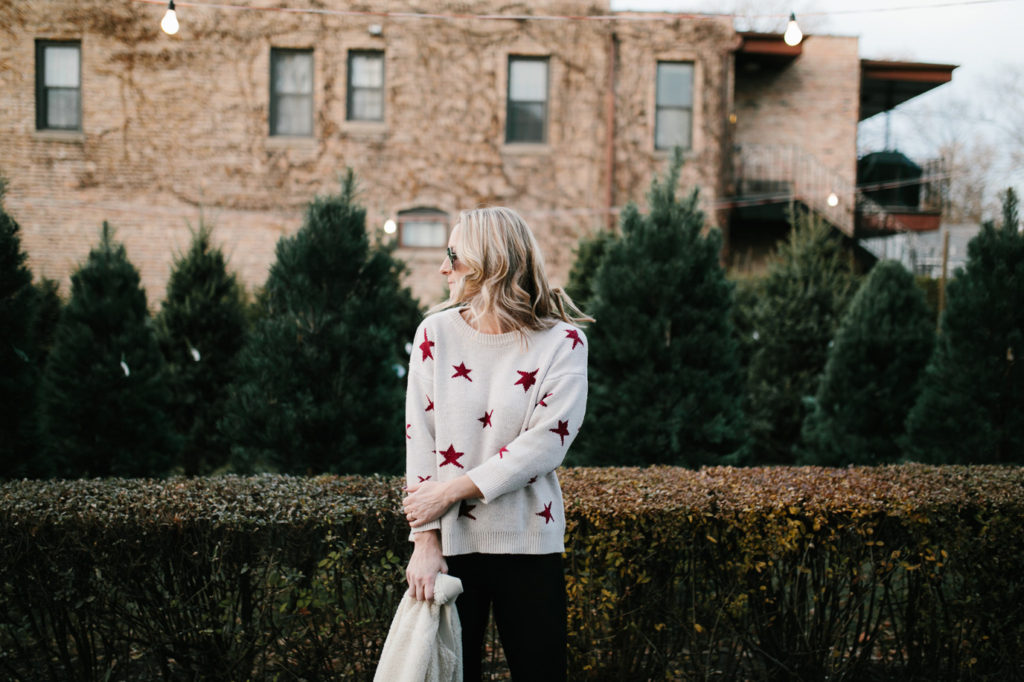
x=243, y=116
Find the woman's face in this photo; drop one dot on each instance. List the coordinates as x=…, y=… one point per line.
x=453, y=271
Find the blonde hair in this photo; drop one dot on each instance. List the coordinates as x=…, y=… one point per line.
x=506, y=275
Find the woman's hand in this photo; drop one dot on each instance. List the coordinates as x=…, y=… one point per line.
x=426, y=562
x=431, y=499
x=426, y=502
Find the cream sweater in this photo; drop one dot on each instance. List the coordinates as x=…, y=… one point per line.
x=424, y=643
x=505, y=414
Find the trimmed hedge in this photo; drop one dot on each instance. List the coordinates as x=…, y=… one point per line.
x=899, y=572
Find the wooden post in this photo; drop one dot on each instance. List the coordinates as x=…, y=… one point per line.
x=942, y=279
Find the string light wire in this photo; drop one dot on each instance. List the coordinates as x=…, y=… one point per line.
x=619, y=16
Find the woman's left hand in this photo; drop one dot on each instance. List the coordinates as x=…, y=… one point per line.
x=426, y=502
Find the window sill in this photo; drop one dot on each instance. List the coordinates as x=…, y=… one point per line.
x=373, y=129
x=688, y=154
x=69, y=136
x=526, y=148
x=290, y=142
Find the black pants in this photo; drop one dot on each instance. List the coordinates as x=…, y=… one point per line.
x=528, y=595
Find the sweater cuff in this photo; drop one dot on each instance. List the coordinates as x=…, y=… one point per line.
x=433, y=525
x=490, y=484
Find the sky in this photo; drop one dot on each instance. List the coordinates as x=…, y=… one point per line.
x=983, y=38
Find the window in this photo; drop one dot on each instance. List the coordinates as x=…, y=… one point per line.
x=58, y=85
x=674, y=111
x=291, y=92
x=365, y=86
x=526, y=119
x=423, y=227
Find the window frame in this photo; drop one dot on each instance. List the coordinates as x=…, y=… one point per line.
x=545, y=102
x=422, y=214
x=350, y=89
x=42, y=90
x=660, y=107
x=272, y=118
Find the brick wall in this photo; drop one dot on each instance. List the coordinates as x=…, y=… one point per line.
x=176, y=128
x=812, y=104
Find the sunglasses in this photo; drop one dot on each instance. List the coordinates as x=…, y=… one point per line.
x=451, y=256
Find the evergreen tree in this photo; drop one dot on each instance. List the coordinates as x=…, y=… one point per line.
x=971, y=407
x=44, y=322
x=746, y=295
x=805, y=293
x=319, y=385
x=104, y=402
x=200, y=329
x=871, y=379
x=18, y=370
x=664, y=379
x=589, y=253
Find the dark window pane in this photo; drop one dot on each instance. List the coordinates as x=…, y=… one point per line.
x=527, y=100
x=367, y=71
x=672, y=128
x=423, y=233
x=294, y=115
x=367, y=105
x=62, y=108
x=526, y=122
x=58, y=86
x=291, y=97
x=293, y=73
x=365, y=86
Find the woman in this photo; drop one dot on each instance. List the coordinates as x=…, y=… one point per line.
x=497, y=392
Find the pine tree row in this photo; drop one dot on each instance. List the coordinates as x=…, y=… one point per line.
x=306, y=380
x=808, y=364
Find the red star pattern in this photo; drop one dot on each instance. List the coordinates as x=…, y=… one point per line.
x=407, y=427
x=464, y=510
x=527, y=379
x=426, y=346
x=574, y=334
x=546, y=514
x=461, y=371
x=562, y=430
x=452, y=457
x=423, y=478
x=430, y=404
x=486, y=419
x=501, y=453
x=542, y=403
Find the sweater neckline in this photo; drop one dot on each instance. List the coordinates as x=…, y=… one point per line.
x=466, y=330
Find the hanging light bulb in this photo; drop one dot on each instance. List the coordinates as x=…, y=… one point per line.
x=793, y=34
x=833, y=199
x=170, y=21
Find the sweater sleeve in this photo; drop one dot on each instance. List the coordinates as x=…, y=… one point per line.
x=420, y=458
x=552, y=427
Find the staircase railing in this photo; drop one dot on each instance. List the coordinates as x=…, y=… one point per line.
x=787, y=172
x=768, y=173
